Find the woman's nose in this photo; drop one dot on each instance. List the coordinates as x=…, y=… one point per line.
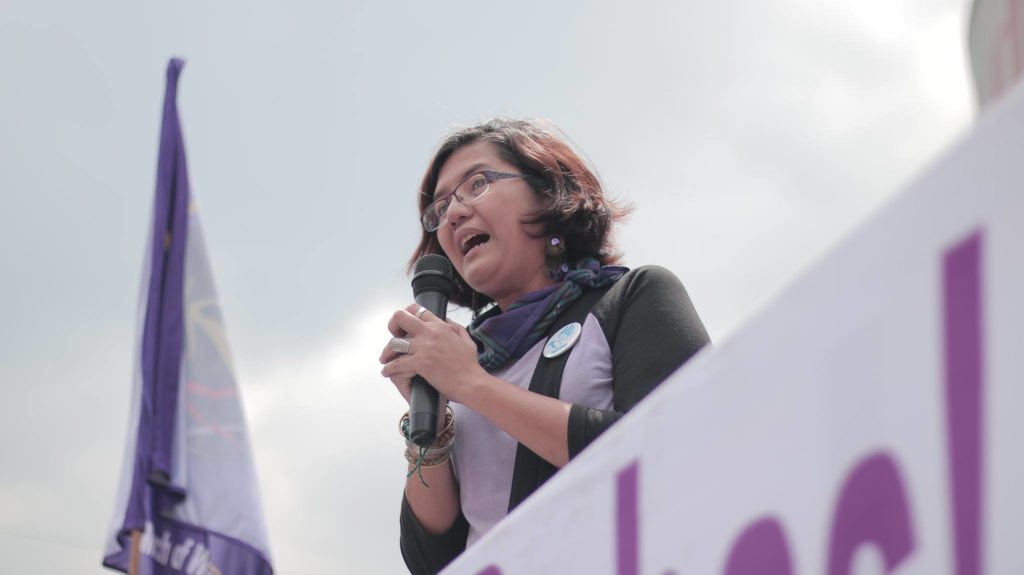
x=457, y=211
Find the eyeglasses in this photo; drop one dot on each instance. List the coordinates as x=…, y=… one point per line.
x=468, y=191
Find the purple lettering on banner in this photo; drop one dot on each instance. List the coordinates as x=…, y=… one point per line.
x=760, y=550
x=490, y=570
x=962, y=293
x=872, y=508
x=627, y=520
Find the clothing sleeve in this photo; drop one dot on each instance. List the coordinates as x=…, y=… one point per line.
x=425, y=553
x=652, y=329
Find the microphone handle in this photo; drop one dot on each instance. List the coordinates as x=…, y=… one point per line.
x=423, y=401
x=423, y=412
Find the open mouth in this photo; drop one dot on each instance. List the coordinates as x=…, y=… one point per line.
x=474, y=241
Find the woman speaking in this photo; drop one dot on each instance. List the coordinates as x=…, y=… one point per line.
x=563, y=340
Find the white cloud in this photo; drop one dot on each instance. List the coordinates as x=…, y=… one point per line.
x=328, y=453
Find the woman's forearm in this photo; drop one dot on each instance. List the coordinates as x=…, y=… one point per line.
x=539, y=422
x=436, y=507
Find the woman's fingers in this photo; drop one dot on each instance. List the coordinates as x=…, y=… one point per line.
x=399, y=376
x=395, y=347
x=395, y=323
x=401, y=320
x=393, y=367
x=398, y=371
x=461, y=331
x=410, y=320
x=422, y=313
x=458, y=328
x=439, y=350
x=406, y=324
x=388, y=354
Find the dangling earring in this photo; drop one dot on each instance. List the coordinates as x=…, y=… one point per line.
x=555, y=247
x=555, y=250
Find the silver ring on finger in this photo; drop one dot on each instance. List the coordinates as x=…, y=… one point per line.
x=422, y=310
x=399, y=345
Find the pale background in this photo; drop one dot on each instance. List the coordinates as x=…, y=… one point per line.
x=750, y=135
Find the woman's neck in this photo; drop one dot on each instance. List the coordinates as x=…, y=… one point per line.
x=543, y=281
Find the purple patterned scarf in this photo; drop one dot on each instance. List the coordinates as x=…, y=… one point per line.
x=509, y=335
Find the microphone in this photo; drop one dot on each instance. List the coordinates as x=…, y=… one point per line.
x=432, y=283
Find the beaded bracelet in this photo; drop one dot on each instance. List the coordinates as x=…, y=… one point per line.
x=447, y=429
x=428, y=461
x=431, y=452
x=433, y=455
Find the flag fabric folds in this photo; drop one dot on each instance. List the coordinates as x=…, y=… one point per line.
x=188, y=482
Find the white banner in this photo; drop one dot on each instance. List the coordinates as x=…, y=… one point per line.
x=868, y=421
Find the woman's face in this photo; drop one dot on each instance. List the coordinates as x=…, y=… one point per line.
x=486, y=241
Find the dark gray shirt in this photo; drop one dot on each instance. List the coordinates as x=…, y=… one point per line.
x=639, y=332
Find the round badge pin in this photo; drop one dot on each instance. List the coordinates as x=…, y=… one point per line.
x=563, y=340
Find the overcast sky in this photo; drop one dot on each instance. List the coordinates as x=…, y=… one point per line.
x=750, y=136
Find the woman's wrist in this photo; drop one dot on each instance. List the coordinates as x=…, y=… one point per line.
x=478, y=390
x=470, y=385
x=438, y=453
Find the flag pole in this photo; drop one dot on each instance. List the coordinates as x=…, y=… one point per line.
x=133, y=562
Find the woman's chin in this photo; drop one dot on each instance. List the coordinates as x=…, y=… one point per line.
x=479, y=277
x=476, y=279
x=473, y=261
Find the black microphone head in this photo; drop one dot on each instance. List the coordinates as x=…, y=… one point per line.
x=433, y=273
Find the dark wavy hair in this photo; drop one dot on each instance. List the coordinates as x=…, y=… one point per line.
x=574, y=204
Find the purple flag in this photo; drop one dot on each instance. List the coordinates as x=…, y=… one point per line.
x=188, y=482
